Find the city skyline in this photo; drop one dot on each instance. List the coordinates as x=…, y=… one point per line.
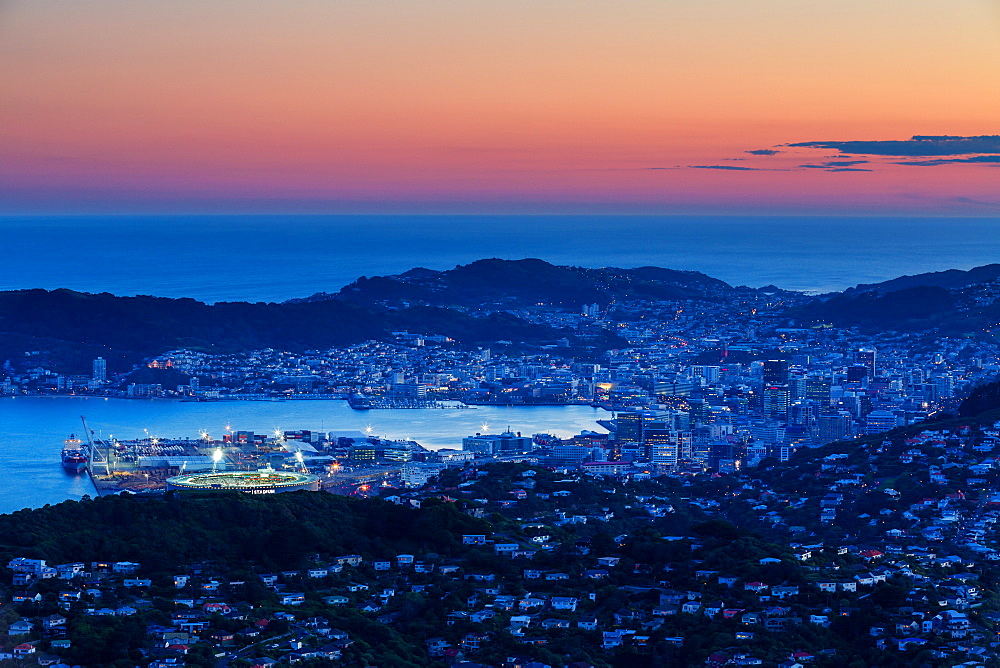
x=663, y=107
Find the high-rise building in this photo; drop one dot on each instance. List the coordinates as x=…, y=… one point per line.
x=879, y=421
x=945, y=385
x=836, y=427
x=629, y=427
x=775, y=372
x=100, y=370
x=709, y=373
x=775, y=400
x=866, y=358
x=857, y=373
x=797, y=387
x=818, y=390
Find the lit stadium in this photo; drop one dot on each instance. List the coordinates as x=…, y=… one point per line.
x=251, y=482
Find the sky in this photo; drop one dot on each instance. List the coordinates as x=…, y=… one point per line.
x=438, y=106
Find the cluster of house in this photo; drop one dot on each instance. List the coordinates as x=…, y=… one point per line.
x=940, y=571
x=934, y=554
x=191, y=623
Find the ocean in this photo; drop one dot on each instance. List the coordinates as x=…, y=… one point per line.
x=274, y=258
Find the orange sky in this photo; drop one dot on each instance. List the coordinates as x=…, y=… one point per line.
x=111, y=105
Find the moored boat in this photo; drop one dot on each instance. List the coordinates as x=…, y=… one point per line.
x=74, y=455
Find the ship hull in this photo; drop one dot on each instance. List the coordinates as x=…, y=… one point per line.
x=75, y=467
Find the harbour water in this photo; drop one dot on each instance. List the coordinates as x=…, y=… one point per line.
x=32, y=430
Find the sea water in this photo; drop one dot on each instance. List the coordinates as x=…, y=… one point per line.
x=273, y=258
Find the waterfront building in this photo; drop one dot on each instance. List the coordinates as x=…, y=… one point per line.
x=100, y=370
x=506, y=443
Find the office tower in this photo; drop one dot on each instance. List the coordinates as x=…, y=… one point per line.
x=830, y=428
x=879, y=421
x=818, y=390
x=711, y=374
x=802, y=413
x=857, y=373
x=629, y=427
x=775, y=400
x=797, y=387
x=866, y=358
x=775, y=372
x=945, y=386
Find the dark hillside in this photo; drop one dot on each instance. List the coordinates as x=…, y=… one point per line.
x=950, y=279
x=277, y=531
x=531, y=281
x=909, y=309
x=71, y=328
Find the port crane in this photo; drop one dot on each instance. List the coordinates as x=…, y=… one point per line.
x=93, y=449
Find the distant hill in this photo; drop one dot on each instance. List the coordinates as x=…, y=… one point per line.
x=530, y=281
x=950, y=279
x=475, y=304
x=906, y=310
x=70, y=328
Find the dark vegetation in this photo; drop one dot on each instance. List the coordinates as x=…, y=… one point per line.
x=70, y=328
x=949, y=279
x=981, y=399
x=472, y=304
x=902, y=310
x=528, y=282
x=273, y=532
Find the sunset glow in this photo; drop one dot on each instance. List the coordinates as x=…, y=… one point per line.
x=312, y=105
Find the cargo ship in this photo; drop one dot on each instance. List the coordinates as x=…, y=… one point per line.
x=74, y=455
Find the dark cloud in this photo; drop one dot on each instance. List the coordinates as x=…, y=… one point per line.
x=763, y=151
x=916, y=146
x=977, y=202
x=736, y=168
x=982, y=159
x=838, y=166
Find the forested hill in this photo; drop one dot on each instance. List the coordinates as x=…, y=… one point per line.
x=532, y=281
x=474, y=304
x=966, y=311
x=273, y=532
x=72, y=328
x=949, y=279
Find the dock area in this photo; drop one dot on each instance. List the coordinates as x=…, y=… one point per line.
x=142, y=466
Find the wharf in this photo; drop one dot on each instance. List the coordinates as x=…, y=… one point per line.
x=364, y=403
